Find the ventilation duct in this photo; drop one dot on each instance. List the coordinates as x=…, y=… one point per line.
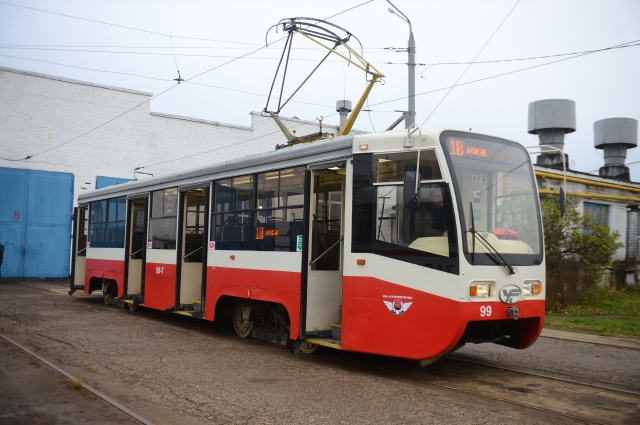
x=551, y=119
x=614, y=136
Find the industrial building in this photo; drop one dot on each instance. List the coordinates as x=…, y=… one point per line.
x=54, y=144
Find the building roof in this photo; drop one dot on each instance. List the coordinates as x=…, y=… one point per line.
x=68, y=80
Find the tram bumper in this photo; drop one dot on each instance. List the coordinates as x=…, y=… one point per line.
x=515, y=326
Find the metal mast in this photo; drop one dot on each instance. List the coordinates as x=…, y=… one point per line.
x=410, y=114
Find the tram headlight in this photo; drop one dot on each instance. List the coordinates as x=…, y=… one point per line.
x=531, y=287
x=480, y=290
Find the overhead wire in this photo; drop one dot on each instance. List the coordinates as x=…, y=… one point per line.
x=142, y=103
x=153, y=53
x=123, y=26
x=162, y=92
x=498, y=75
x=471, y=63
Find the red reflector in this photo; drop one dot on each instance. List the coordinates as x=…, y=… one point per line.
x=233, y=257
x=360, y=262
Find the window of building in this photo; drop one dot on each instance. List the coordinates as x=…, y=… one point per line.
x=163, y=222
x=107, y=222
x=598, y=213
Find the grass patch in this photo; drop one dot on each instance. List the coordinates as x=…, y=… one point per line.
x=620, y=326
x=77, y=384
x=601, y=311
x=600, y=301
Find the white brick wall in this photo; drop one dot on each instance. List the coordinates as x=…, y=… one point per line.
x=39, y=112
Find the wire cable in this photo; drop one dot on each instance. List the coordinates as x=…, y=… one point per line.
x=142, y=103
x=496, y=76
x=471, y=63
x=155, y=53
x=161, y=93
x=123, y=26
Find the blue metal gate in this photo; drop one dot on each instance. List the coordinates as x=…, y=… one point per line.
x=35, y=222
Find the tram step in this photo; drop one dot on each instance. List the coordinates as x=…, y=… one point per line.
x=197, y=305
x=326, y=342
x=193, y=314
x=336, y=330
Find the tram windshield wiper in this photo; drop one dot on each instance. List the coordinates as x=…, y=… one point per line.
x=497, y=258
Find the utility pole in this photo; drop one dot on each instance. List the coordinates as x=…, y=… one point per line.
x=410, y=114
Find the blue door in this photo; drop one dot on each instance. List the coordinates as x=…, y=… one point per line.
x=35, y=222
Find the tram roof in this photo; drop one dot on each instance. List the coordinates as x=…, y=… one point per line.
x=303, y=154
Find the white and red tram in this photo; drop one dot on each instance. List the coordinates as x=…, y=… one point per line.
x=333, y=243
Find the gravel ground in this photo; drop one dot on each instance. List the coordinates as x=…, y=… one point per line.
x=173, y=369
x=34, y=394
x=597, y=364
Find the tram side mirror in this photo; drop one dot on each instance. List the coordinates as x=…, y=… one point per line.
x=411, y=198
x=563, y=202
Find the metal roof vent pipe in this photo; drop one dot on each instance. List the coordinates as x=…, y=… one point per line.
x=551, y=119
x=615, y=136
x=343, y=107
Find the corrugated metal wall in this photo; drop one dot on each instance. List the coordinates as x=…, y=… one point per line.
x=35, y=222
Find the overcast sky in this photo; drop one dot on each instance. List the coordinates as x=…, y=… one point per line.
x=603, y=84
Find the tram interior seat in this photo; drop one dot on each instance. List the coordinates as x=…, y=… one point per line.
x=231, y=236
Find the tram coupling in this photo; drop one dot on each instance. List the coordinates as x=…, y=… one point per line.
x=513, y=312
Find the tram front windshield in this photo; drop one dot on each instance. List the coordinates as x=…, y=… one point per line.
x=495, y=189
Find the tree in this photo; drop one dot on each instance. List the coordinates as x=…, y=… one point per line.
x=577, y=251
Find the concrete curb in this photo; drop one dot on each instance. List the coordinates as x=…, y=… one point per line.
x=592, y=339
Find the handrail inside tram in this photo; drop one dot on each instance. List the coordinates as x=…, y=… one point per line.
x=328, y=249
x=192, y=252
x=134, y=253
x=81, y=250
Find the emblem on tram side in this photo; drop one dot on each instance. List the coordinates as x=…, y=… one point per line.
x=509, y=294
x=397, y=306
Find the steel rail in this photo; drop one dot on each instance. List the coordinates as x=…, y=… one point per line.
x=89, y=388
x=517, y=403
x=541, y=375
x=477, y=393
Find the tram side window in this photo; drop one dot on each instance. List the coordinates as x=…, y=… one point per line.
x=279, y=214
x=422, y=232
x=233, y=216
x=163, y=222
x=107, y=222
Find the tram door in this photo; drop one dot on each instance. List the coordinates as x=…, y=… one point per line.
x=324, y=281
x=192, y=250
x=79, y=247
x=136, y=241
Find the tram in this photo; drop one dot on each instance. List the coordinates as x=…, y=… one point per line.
x=405, y=243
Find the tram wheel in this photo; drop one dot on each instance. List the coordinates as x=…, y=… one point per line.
x=242, y=323
x=107, y=294
x=309, y=348
x=132, y=307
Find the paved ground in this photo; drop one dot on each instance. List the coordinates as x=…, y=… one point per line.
x=31, y=393
x=172, y=369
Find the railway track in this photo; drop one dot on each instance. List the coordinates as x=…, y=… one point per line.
x=73, y=379
x=567, y=398
x=542, y=375
x=620, y=397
